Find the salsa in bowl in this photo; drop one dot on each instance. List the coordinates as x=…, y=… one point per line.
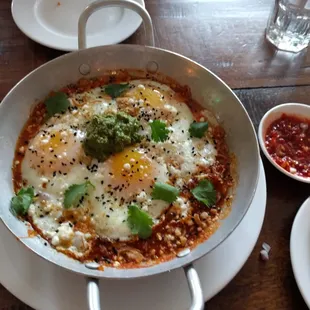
x=284, y=136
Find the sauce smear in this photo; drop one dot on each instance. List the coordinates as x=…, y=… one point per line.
x=288, y=142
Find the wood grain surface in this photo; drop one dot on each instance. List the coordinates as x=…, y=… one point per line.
x=227, y=36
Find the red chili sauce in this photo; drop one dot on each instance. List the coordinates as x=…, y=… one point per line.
x=288, y=142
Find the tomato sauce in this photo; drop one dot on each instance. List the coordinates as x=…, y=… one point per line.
x=288, y=142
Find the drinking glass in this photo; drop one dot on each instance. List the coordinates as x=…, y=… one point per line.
x=289, y=25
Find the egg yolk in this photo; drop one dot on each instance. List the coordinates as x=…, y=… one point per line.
x=151, y=97
x=54, y=141
x=53, y=152
x=131, y=166
x=130, y=170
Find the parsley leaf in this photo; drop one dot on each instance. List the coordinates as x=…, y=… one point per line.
x=205, y=193
x=159, y=131
x=75, y=193
x=115, y=90
x=198, y=129
x=22, y=201
x=57, y=103
x=139, y=222
x=165, y=192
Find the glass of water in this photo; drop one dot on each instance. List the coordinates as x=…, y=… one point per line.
x=289, y=25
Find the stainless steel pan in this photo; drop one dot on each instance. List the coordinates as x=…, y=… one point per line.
x=206, y=88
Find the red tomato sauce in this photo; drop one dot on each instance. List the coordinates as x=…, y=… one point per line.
x=288, y=142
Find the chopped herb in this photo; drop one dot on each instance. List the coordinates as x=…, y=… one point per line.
x=205, y=192
x=165, y=192
x=139, y=222
x=159, y=131
x=57, y=103
x=75, y=193
x=22, y=201
x=198, y=129
x=115, y=90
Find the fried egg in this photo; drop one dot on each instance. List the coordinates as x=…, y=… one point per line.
x=55, y=159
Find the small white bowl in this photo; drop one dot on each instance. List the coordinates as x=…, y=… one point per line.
x=295, y=109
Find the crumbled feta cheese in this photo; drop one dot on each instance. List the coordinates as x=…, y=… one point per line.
x=145, y=208
x=170, y=108
x=126, y=166
x=142, y=197
x=79, y=241
x=180, y=203
x=32, y=210
x=65, y=232
x=87, y=236
x=55, y=240
x=179, y=182
x=44, y=180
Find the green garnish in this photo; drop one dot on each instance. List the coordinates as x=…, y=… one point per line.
x=115, y=90
x=198, y=129
x=140, y=223
x=165, y=192
x=22, y=201
x=108, y=134
x=159, y=131
x=75, y=192
x=57, y=103
x=205, y=193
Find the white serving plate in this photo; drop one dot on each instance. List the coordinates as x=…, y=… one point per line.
x=54, y=23
x=45, y=286
x=300, y=250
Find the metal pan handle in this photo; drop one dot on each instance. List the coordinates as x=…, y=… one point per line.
x=93, y=292
x=128, y=4
x=194, y=287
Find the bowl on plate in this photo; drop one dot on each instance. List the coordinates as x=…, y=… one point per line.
x=296, y=110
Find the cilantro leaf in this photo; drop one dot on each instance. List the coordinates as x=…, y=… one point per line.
x=205, y=193
x=140, y=223
x=21, y=202
x=57, y=103
x=75, y=193
x=198, y=129
x=115, y=90
x=165, y=192
x=159, y=131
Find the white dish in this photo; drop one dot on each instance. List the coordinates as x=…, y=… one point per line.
x=43, y=285
x=300, y=250
x=54, y=23
x=296, y=109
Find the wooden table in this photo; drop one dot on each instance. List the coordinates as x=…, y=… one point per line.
x=227, y=37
